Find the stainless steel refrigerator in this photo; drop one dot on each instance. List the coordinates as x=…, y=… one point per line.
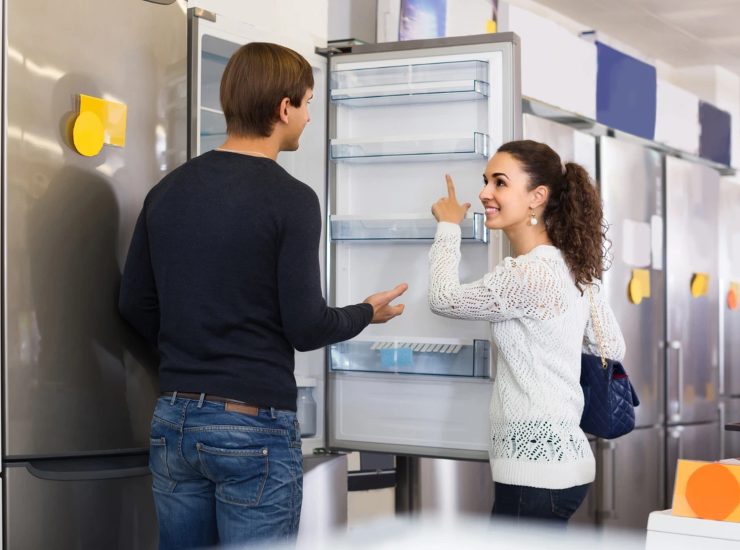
x=729, y=312
x=631, y=468
x=692, y=315
x=387, y=122
x=78, y=384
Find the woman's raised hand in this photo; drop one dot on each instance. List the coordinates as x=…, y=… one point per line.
x=447, y=209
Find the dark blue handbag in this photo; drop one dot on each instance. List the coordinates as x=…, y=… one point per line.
x=609, y=400
x=608, y=396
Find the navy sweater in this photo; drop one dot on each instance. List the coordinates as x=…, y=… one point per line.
x=223, y=277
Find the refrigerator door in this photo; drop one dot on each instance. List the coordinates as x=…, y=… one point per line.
x=729, y=287
x=400, y=117
x=692, y=442
x=631, y=478
x=212, y=40
x=80, y=504
x=631, y=184
x=76, y=378
x=692, y=291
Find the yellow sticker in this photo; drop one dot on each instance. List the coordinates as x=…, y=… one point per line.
x=699, y=284
x=639, y=285
x=88, y=134
x=111, y=113
x=491, y=25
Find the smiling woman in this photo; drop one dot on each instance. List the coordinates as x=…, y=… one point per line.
x=541, y=461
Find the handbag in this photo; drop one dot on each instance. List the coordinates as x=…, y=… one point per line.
x=608, y=396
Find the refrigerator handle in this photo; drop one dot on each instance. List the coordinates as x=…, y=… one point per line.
x=609, y=471
x=43, y=471
x=722, y=432
x=676, y=345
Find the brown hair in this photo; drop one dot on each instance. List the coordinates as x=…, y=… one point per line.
x=573, y=215
x=256, y=79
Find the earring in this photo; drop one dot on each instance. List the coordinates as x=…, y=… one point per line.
x=532, y=218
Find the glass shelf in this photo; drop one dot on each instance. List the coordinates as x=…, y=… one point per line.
x=426, y=82
x=441, y=356
x=410, y=148
x=403, y=227
x=212, y=122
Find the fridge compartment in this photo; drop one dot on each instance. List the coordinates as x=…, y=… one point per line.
x=409, y=148
x=402, y=227
x=411, y=83
x=212, y=122
x=428, y=356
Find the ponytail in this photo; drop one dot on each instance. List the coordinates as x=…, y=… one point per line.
x=573, y=214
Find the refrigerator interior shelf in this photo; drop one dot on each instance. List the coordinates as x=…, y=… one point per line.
x=212, y=122
x=408, y=227
x=413, y=83
x=430, y=356
x=409, y=148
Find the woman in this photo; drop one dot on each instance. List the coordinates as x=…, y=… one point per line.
x=540, y=304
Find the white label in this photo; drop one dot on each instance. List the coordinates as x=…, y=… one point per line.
x=636, y=240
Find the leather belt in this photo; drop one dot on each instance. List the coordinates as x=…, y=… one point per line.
x=232, y=405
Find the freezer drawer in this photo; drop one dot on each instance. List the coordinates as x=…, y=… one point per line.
x=80, y=504
x=692, y=442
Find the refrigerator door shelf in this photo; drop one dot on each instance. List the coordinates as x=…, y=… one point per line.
x=411, y=83
x=403, y=227
x=442, y=357
x=411, y=148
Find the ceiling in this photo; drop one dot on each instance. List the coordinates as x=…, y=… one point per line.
x=682, y=33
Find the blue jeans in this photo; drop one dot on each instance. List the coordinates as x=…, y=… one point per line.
x=223, y=477
x=556, y=505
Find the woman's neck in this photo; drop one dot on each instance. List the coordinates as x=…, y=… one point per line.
x=525, y=238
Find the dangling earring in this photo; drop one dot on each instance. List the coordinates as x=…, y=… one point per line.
x=532, y=219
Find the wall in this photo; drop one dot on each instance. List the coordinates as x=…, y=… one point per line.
x=298, y=18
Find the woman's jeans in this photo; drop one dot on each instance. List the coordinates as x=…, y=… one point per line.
x=223, y=477
x=556, y=505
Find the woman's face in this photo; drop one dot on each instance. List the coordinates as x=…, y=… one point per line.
x=506, y=196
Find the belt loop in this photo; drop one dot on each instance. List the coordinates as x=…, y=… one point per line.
x=273, y=413
x=174, y=396
x=200, y=401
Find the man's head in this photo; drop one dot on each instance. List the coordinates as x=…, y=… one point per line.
x=264, y=84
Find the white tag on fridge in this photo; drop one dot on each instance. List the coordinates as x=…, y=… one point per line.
x=656, y=226
x=636, y=241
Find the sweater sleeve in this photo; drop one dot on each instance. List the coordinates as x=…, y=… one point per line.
x=516, y=288
x=138, y=301
x=308, y=322
x=613, y=340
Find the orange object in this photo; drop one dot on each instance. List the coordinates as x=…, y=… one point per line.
x=732, y=297
x=707, y=490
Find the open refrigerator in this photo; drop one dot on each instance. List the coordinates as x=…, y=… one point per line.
x=387, y=122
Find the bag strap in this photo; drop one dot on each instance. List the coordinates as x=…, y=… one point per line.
x=597, y=327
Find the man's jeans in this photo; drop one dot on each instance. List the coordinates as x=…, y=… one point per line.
x=556, y=505
x=222, y=477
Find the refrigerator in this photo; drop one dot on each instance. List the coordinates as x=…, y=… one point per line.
x=630, y=469
x=729, y=313
x=78, y=385
x=693, y=430
x=387, y=122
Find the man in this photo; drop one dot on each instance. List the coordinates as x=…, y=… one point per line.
x=223, y=277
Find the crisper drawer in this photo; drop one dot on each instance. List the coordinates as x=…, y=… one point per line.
x=435, y=416
x=80, y=504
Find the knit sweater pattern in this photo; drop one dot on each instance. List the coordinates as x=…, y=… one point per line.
x=540, y=324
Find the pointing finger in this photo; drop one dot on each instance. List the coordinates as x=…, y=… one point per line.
x=450, y=187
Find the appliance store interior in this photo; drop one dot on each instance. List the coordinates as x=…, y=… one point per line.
x=102, y=99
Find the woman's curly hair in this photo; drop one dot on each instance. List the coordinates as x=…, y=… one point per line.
x=573, y=216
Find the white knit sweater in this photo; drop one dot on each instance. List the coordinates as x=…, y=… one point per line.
x=540, y=323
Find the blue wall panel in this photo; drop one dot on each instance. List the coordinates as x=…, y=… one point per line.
x=715, y=137
x=625, y=92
